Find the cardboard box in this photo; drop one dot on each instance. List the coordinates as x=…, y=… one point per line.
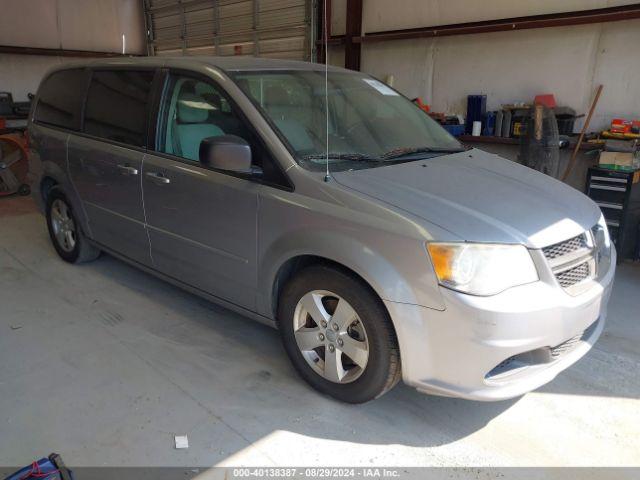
x=618, y=160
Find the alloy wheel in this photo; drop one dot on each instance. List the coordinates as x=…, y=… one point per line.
x=331, y=336
x=64, y=228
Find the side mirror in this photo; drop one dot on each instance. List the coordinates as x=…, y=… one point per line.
x=226, y=152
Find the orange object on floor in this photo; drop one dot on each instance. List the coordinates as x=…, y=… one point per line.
x=14, y=164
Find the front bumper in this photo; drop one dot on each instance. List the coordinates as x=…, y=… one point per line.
x=499, y=347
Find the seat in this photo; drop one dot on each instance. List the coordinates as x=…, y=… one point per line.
x=193, y=125
x=219, y=115
x=280, y=108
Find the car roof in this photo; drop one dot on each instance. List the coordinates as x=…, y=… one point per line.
x=231, y=63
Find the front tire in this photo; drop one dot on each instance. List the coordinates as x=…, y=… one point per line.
x=67, y=237
x=338, y=335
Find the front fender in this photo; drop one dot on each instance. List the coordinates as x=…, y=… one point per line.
x=396, y=268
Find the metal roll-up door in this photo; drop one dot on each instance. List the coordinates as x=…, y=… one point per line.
x=261, y=28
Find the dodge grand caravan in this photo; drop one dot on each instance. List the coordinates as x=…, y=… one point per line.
x=395, y=253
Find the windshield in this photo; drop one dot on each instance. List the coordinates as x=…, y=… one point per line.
x=369, y=124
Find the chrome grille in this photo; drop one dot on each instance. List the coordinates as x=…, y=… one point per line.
x=541, y=355
x=572, y=261
x=565, y=347
x=564, y=248
x=574, y=275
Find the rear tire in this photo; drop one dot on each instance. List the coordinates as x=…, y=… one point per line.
x=65, y=232
x=24, y=190
x=338, y=335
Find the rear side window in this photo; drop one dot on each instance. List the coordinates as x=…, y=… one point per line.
x=116, y=106
x=60, y=99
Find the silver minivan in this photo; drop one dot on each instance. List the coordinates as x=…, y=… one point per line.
x=327, y=205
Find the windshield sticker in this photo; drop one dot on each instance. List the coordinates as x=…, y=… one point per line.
x=381, y=87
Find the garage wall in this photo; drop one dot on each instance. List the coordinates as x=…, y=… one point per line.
x=506, y=66
x=96, y=25
x=21, y=74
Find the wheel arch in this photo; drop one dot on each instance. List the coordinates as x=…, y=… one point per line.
x=46, y=184
x=369, y=256
x=295, y=264
x=53, y=176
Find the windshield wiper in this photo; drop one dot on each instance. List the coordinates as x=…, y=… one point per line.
x=402, y=152
x=394, y=154
x=349, y=157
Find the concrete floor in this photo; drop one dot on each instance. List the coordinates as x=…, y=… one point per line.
x=104, y=364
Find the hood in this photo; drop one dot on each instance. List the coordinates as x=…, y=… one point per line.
x=480, y=197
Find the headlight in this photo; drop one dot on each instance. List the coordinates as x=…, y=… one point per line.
x=481, y=269
x=602, y=244
x=601, y=236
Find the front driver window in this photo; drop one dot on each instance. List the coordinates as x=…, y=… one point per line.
x=194, y=110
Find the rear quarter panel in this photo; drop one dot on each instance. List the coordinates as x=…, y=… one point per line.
x=48, y=160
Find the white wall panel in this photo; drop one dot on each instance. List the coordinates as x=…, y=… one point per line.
x=29, y=24
x=99, y=25
x=339, y=16
x=397, y=14
x=514, y=66
x=409, y=61
x=96, y=25
x=617, y=67
x=21, y=74
x=506, y=66
x=336, y=56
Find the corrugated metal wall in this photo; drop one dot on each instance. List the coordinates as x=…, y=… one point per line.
x=262, y=28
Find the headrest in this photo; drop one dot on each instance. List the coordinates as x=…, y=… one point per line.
x=214, y=100
x=193, y=108
x=209, y=94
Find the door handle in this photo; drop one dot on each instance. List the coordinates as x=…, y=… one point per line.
x=158, y=178
x=127, y=170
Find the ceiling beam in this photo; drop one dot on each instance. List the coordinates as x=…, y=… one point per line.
x=563, y=19
x=580, y=17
